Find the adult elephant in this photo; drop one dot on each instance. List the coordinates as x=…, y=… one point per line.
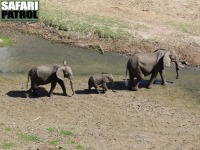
x=53, y=74
x=141, y=65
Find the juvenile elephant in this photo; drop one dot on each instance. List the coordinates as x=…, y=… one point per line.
x=53, y=74
x=141, y=65
x=100, y=80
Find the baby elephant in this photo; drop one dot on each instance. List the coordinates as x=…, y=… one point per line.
x=53, y=74
x=100, y=80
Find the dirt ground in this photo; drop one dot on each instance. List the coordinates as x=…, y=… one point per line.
x=159, y=118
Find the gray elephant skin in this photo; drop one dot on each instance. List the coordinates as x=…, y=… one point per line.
x=141, y=65
x=98, y=80
x=53, y=74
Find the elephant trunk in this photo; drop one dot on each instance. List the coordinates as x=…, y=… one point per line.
x=72, y=84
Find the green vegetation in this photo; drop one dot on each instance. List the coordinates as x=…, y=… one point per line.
x=52, y=129
x=79, y=147
x=104, y=27
x=31, y=138
x=4, y=41
x=54, y=142
x=57, y=137
x=9, y=129
x=193, y=29
x=8, y=145
x=67, y=133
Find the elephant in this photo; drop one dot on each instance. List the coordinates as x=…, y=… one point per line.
x=97, y=80
x=141, y=65
x=44, y=74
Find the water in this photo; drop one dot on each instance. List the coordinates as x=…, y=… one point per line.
x=31, y=51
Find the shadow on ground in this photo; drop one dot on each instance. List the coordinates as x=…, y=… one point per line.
x=41, y=92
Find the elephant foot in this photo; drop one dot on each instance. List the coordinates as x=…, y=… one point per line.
x=164, y=83
x=135, y=88
x=104, y=92
x=149, y=87
x=50, y=94
x=27, y=95
x=64, y=94
x=98, y=92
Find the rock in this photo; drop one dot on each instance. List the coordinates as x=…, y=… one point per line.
x=1, y=41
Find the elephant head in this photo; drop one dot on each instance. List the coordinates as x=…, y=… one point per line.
x=108, y=78
x=66, y=72
x=168, y=57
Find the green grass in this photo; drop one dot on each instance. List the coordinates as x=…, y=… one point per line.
x=6, y=41
x=30, y=138
x=192, y=29
x=79, y=147
x=66, y=133
x=9, y=129
x=9, y=145
x=52, y=130
x=54, y=142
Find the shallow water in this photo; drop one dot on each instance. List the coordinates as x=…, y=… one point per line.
x=31, y=51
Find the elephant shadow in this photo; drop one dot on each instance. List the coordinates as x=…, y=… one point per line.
x=120, y=85
x=144, y=83
x=117, y=85
x=41, y=92
x=85, y=91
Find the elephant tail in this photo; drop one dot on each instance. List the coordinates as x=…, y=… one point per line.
x=127, y=68
x=28, y=80
x=126, y=78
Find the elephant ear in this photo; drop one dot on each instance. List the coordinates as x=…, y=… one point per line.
x=60, y=73
x=167, y=60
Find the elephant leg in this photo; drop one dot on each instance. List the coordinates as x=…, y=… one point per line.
x=105, y=88
x=131, y=80
x=140, y=77
x=96, y=87
x=61, y=83
x=27, y=92
x=89, y=88
x=135, y=88
x=153, y=76
x=53, y=85
x=33, y=88
x=162, y=75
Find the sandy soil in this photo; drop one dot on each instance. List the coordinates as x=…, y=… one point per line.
x=160, y=118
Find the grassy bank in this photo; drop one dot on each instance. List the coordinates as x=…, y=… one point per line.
x=5, y=41
x=120, y=19
x=66, y=19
